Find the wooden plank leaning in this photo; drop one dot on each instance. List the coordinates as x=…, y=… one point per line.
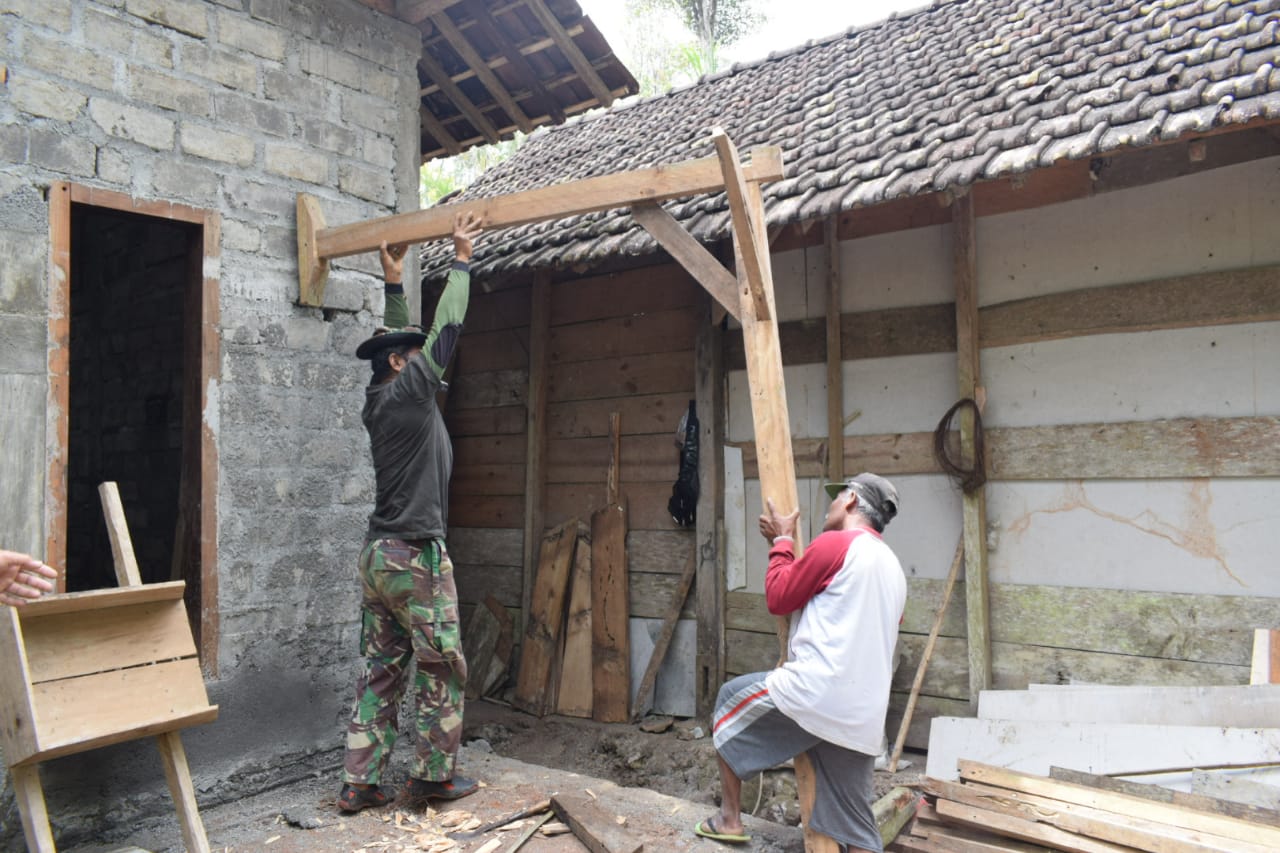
x=768, y=397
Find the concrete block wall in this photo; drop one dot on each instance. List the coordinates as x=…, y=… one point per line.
x=233, y=106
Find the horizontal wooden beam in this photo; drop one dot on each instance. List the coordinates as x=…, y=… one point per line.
x=623, y=189
x=1178, y=448
x=1219, y=298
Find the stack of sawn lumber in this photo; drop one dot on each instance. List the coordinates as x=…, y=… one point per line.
x=1106, y=768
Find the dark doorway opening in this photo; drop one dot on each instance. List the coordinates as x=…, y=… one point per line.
x=130, y=285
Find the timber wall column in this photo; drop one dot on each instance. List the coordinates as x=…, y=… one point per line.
x=709, y=592
x=835, y=354
x=974, y=503
x=536, y=433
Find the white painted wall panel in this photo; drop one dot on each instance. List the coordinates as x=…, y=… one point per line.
x=1215, y=371
x=1216, y=537
x=1220, y=219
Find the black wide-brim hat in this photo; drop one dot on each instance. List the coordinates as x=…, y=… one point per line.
x=383, y=338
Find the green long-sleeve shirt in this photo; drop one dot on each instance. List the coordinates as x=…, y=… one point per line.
x=412, y=454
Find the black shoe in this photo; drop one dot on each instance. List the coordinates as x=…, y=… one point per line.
x=418, y=791
x=353, y=799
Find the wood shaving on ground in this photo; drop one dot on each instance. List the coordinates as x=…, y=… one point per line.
x=454, y=818
x=591, y=793
x=620, y=820
x=553, y=829
x=491, y=845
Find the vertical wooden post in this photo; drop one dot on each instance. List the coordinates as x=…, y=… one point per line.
x=535, y=434
x=174, y=758
x=57, y=412
x=35, y=817
x=835, y=353
x=974, y=504
x=710, y=578
x=768, y=400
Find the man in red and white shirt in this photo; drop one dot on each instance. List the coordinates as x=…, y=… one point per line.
x=829, y=699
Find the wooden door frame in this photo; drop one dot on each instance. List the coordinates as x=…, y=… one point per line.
x=62, y=195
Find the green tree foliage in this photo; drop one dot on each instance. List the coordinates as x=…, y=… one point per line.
x=439, y=177
x=660, y=61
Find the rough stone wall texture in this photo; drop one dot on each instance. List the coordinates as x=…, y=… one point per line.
x=233, y=106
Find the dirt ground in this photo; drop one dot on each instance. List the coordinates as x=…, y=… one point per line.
x=654, y=786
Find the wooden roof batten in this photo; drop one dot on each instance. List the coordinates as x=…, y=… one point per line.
x=490, y=68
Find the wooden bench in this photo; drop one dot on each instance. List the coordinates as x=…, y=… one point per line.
x=88, y=669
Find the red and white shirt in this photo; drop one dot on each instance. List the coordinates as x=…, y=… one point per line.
x=849, y=590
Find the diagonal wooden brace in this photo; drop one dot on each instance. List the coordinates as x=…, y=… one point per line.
x=752, y=242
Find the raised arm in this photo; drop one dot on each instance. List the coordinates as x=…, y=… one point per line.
x=446, y=326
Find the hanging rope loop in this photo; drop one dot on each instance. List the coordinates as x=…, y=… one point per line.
x=968, y=479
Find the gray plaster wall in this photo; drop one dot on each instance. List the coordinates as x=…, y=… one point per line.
x=233, y=106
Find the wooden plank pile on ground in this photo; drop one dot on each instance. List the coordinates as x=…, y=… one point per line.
x=1040, y=769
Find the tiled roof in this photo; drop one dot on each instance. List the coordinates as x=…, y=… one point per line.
x=941, y=97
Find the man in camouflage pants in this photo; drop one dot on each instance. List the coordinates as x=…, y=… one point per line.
x=409, y=608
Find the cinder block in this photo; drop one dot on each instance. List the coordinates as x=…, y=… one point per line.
x=331, y=63
x=343, y=294
x=366, y=112
x=239, y=32
x=263, y=199
x=308, y=333
x=166, y=90
x=366, y=184
x=71, y=155
x=379, y=151
x=239, y=236
x=280, y=84
x=237, y=111
x=50, y=55
x=185, y=16
x=272, y=11
x=13, y=143
x=136, y=125
x=45, y=98
x=329, y=136
x=53, y=14
x=114, y=167
x=184, y=180
x=213, y=144
x=297, y=163
x=222, y=66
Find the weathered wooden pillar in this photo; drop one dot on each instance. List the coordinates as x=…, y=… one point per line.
x=710, y=590
x=535, y=435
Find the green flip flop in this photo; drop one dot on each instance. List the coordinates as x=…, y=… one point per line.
x=707, y=829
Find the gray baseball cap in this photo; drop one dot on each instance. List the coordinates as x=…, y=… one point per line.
x=872, y=488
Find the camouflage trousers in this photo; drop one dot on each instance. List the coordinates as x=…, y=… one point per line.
x=409, y=613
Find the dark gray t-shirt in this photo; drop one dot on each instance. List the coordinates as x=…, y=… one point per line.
x=412, y=456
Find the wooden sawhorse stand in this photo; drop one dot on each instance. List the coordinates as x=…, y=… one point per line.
x=88, y=669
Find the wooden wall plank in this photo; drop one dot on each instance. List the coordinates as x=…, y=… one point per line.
x=653, y=373
x=1213, y=629
x=499, y=420
x=670, y=330
x=1203, y=299
x=486, y=511
x=659, y=551
x=1176, y=448
x=490, y=389
x=534, y=687
x=610, y=597
x=74, y=644
x=476, y=580
x=646, y=503
x=641, y=414
x=493, y=546
x=619, y=294
x=500, y=349
x=479, y=479
x=651, y=595
x=499, y=309
x=645, y=459
x=489, y=450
